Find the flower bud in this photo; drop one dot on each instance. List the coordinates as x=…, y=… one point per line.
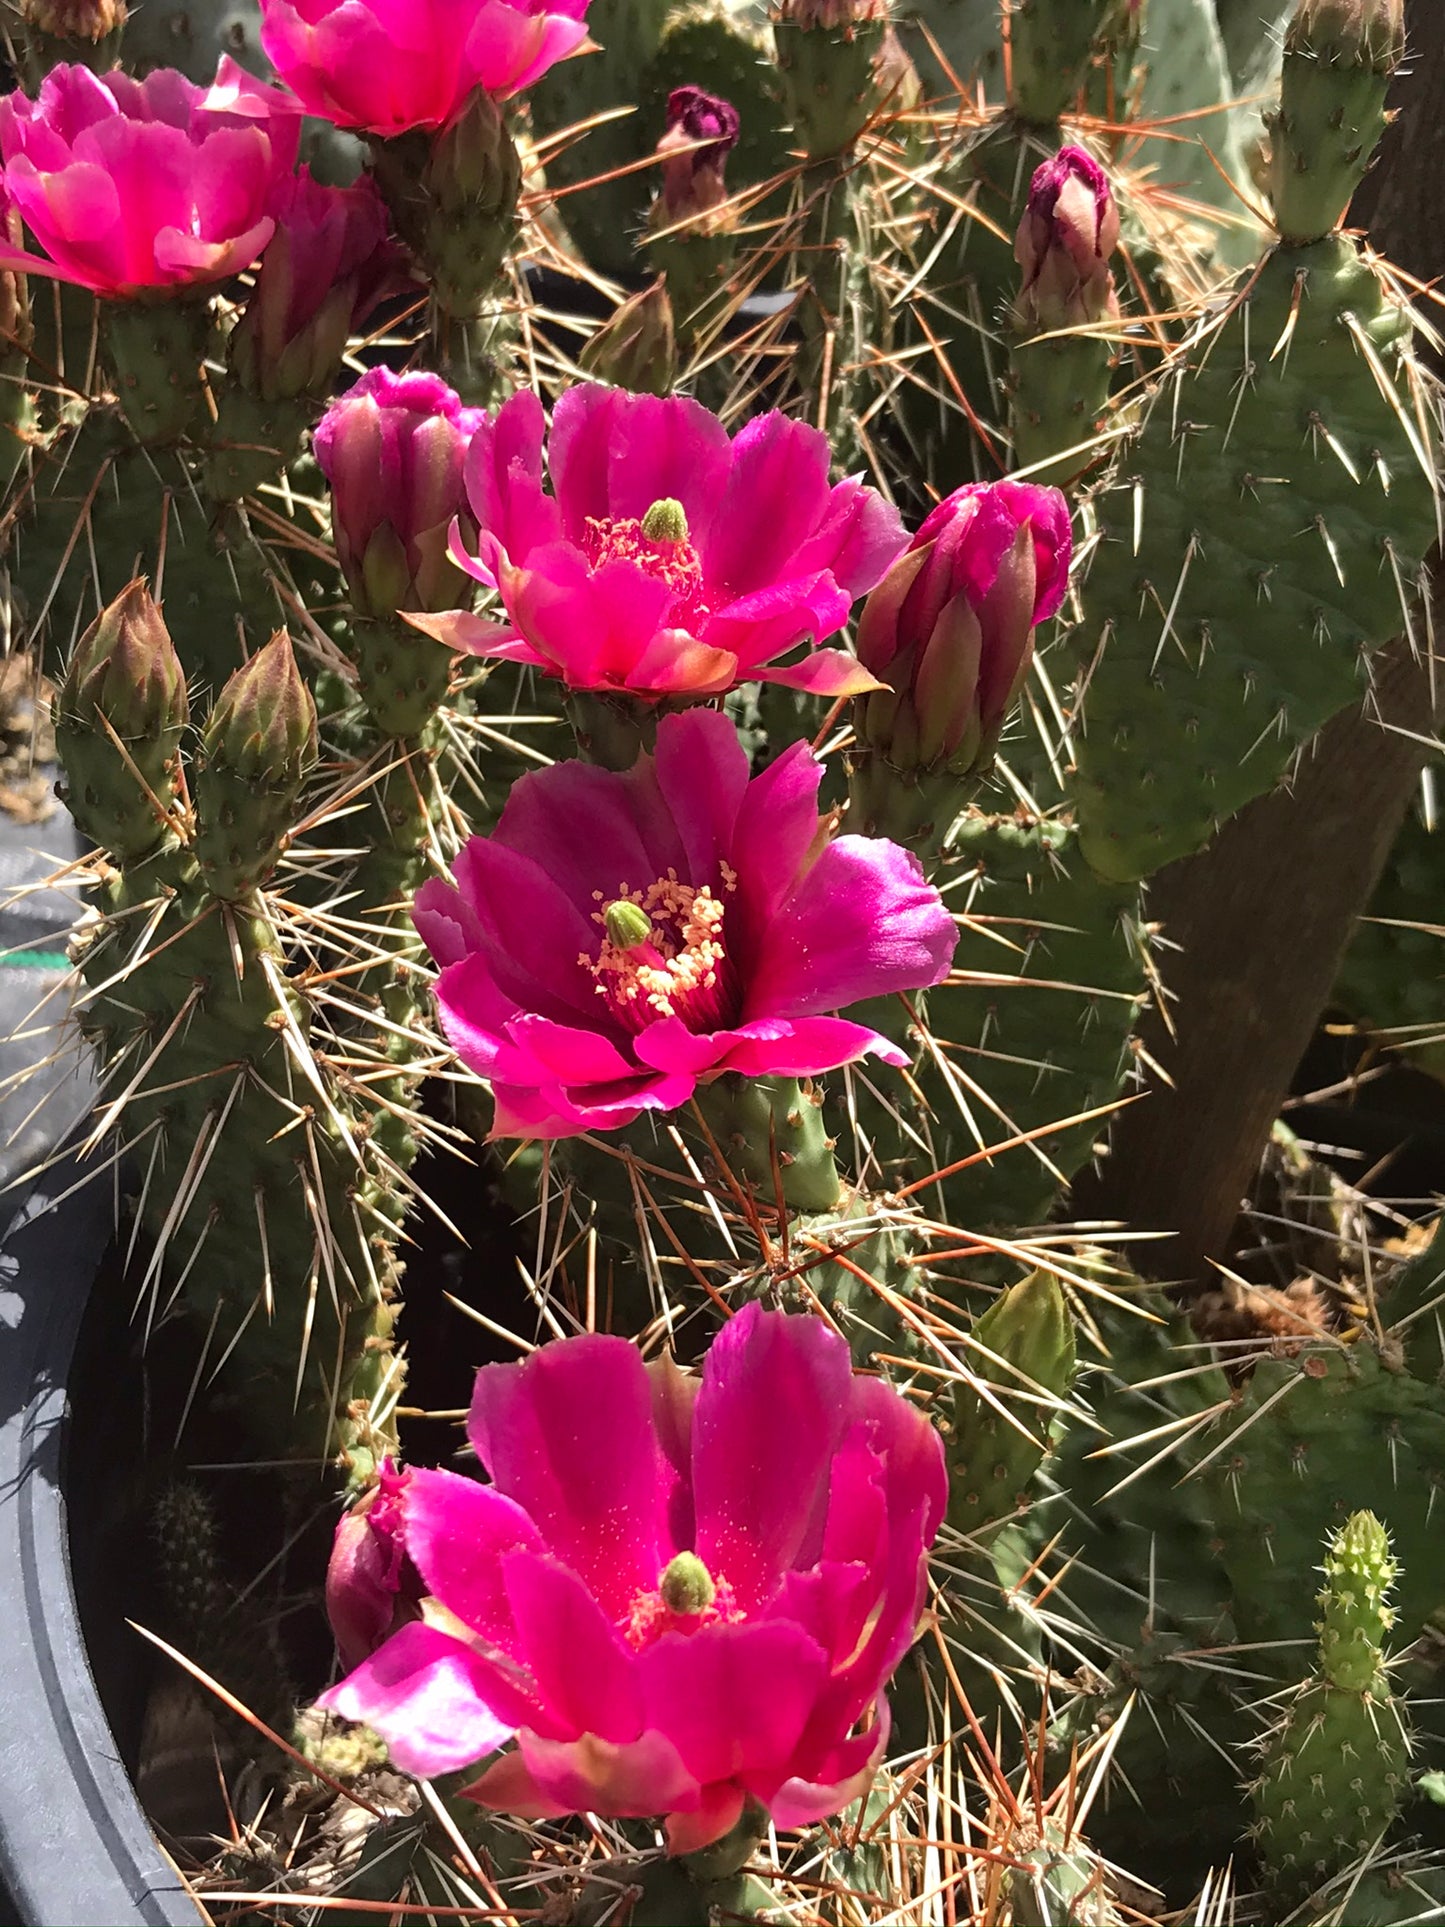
x=950, y=627
x=257, y=748
x=119, y=714
x=74, y=19
x=329, y=263
x=637, y=348
x=692, y=173
x=371, y=1585
x=264, y=720
x=393, y=449
x=1362, y=33
x=125, y=668
x=1069, y=229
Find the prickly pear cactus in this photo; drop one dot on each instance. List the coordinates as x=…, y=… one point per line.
x=1333, y=1770
x=1224, y=626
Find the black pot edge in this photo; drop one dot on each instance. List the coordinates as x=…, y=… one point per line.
x=75, y=1848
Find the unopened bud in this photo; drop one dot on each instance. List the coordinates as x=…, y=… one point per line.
x=686, y=1586
x=74, y=19
x=264, y=720
x=637, y=348
x=1069, y=230
x=257, y=748
x=1357, y=33
x=119, y=714
x=126, y=669
x=950, y=627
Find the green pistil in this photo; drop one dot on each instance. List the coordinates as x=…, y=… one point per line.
x=627, y=924
x=665, y=521
x=686, y=1586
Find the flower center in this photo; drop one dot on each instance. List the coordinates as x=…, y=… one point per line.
x=687, y=1598
x=663, y=954
x=660, y=544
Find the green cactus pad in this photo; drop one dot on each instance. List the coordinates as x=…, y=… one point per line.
x=1334, y=1769
x=1333, y=1779
x=101, y=511
x=1023, y=1347
x=1044, y=1031
x=1262, y=536
x=1312, y=1441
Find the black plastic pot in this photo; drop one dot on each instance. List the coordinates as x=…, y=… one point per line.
x=75, y=1850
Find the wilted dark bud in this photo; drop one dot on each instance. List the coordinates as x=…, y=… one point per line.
x=74, y=19
x=702, y=130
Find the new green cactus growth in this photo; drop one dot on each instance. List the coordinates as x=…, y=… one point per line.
x=1334, y=1770
x=1020, y=1365
x=1338, y=59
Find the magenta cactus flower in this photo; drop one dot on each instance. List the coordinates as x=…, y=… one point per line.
x=393, y=449
x=950, y=628
x=1069, y=229
x=386, y=66
x=133, y=187
x=623, y=936
x=668, y=560
x=330, y=261
x=677, y=1594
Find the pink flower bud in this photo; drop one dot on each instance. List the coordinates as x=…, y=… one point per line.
x=1069, y=229
x=393, y=449
x=950, y=627
x=371, y=1585
x=329, y=263
x=692, y=175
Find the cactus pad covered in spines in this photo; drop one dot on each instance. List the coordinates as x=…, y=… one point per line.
x=1333, y=1770
x=1262, y=536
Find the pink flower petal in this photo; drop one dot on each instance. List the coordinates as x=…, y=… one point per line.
x=669, y=1045
x=702, y=773
x=426, y=1694
x=807, y=1047
x=843, y=1776
x=584, y=1673
x=717, y=1812
x=864, y=921
x=824, y=672
x=504, y=478
x=770, y=1413
x=860, y=535
x=458, y=1533
x=568, y=1434
x=590, y=1775
x=776, y=497
x=733, y=1699
x=674, y=1397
